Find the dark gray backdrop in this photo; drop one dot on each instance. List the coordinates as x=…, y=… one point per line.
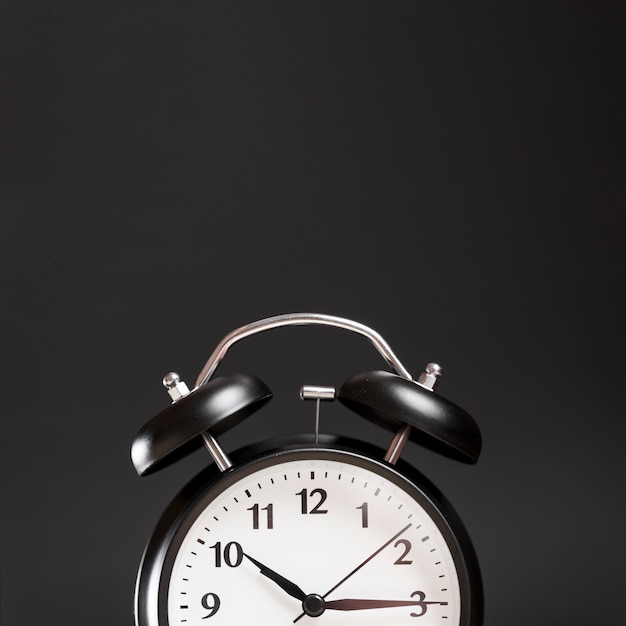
x=450, y=175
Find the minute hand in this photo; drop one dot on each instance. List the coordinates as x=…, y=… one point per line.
x=355, y=604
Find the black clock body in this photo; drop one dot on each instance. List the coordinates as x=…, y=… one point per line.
x=166, y=597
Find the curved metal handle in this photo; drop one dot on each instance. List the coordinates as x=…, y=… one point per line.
x=299, y=319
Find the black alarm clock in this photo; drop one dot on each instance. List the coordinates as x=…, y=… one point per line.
x=311, y=529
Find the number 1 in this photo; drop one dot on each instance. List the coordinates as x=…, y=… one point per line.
x=364, y=518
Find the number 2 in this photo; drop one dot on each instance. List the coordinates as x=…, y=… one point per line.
x=407, y=548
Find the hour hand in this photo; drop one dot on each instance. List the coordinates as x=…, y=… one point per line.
x=286, y=585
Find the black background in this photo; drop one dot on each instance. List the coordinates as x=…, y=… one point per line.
x=451, y=175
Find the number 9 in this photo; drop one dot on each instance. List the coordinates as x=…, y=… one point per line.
x=211, y=602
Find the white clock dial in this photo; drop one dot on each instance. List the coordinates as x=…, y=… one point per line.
x=327, y=539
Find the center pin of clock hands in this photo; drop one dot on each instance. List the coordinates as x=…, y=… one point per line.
x=315, y=605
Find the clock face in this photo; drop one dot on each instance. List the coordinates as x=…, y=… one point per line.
x=316, y=536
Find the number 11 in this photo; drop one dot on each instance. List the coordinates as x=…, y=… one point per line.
x=255, y=516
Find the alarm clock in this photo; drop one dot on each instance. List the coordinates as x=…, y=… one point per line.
x=311, y=528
